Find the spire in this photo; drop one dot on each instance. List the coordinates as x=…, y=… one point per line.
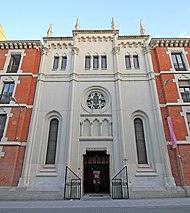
x=49, y=32
x=77, y=26
x=113, y=24
x=2, y=35
x=142, y=30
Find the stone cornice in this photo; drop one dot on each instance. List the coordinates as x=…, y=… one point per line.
x=95, y=38
x=170, y=42
x=133, y=37
x=130, y=44
x=60, y=45
x=58, y=38
x=21, y=44
x=95, y=32
x=18, y=74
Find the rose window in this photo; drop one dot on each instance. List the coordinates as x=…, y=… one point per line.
x=96, y=100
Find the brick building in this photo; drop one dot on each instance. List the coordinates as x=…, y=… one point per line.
x=171, y=59
x=19, y=65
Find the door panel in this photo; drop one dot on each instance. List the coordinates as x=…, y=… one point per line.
x=96, y=172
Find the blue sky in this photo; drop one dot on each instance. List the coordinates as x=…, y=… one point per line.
x=22, y=19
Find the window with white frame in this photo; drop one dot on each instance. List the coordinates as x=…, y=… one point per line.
x=7, y=92
x=188, y=120
x=178, y=61
x=140, y=141
x=52, y=141
x=3, y=118
x=184, y=88
x=14, y=63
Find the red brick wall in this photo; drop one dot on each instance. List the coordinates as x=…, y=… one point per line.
x=18, y=126
x=180, y=161
x=166, y=93
x=187, y=49
x=161, y=60
x=11, y=165
x=27, y=89
x=177, y=122
x=31, y=61
x=175, y=166
x=3, y=58
x=180, y=166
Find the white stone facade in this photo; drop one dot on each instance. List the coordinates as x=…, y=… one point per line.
x=104, y=124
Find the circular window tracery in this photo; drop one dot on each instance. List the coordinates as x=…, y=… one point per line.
x=96, y=100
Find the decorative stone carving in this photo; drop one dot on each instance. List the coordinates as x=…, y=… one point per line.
x=21, y=45
x=170, y=42
x=44, y=51
x=146, y=48
x=95, y=38
x=116, y=50
x=96, y=126
x=96, y=100
x=75, y=51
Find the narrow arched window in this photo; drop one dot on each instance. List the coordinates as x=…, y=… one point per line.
x=87, y=62
x=104, y=62
x=64, y=62
x=136, y=61
x=128, y=62
x=56, y=62
x=140, y=141
x=52, y=141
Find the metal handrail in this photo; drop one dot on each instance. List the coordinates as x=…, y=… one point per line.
x=120, y=189
x=72, y=189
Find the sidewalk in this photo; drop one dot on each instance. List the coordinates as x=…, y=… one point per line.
x=165, y=202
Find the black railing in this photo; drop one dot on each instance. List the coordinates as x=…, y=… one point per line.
x=120, y=189
x=72, y=188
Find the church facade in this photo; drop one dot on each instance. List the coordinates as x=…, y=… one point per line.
x=96, y=119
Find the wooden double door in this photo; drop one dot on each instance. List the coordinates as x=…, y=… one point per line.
x=96, y=172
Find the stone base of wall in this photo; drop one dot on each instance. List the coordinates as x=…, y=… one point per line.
x=140, y=193
x=17, y=193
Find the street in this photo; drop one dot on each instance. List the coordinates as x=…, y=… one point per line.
x=174, y=205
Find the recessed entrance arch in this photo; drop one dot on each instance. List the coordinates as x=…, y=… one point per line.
x=96, y=172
